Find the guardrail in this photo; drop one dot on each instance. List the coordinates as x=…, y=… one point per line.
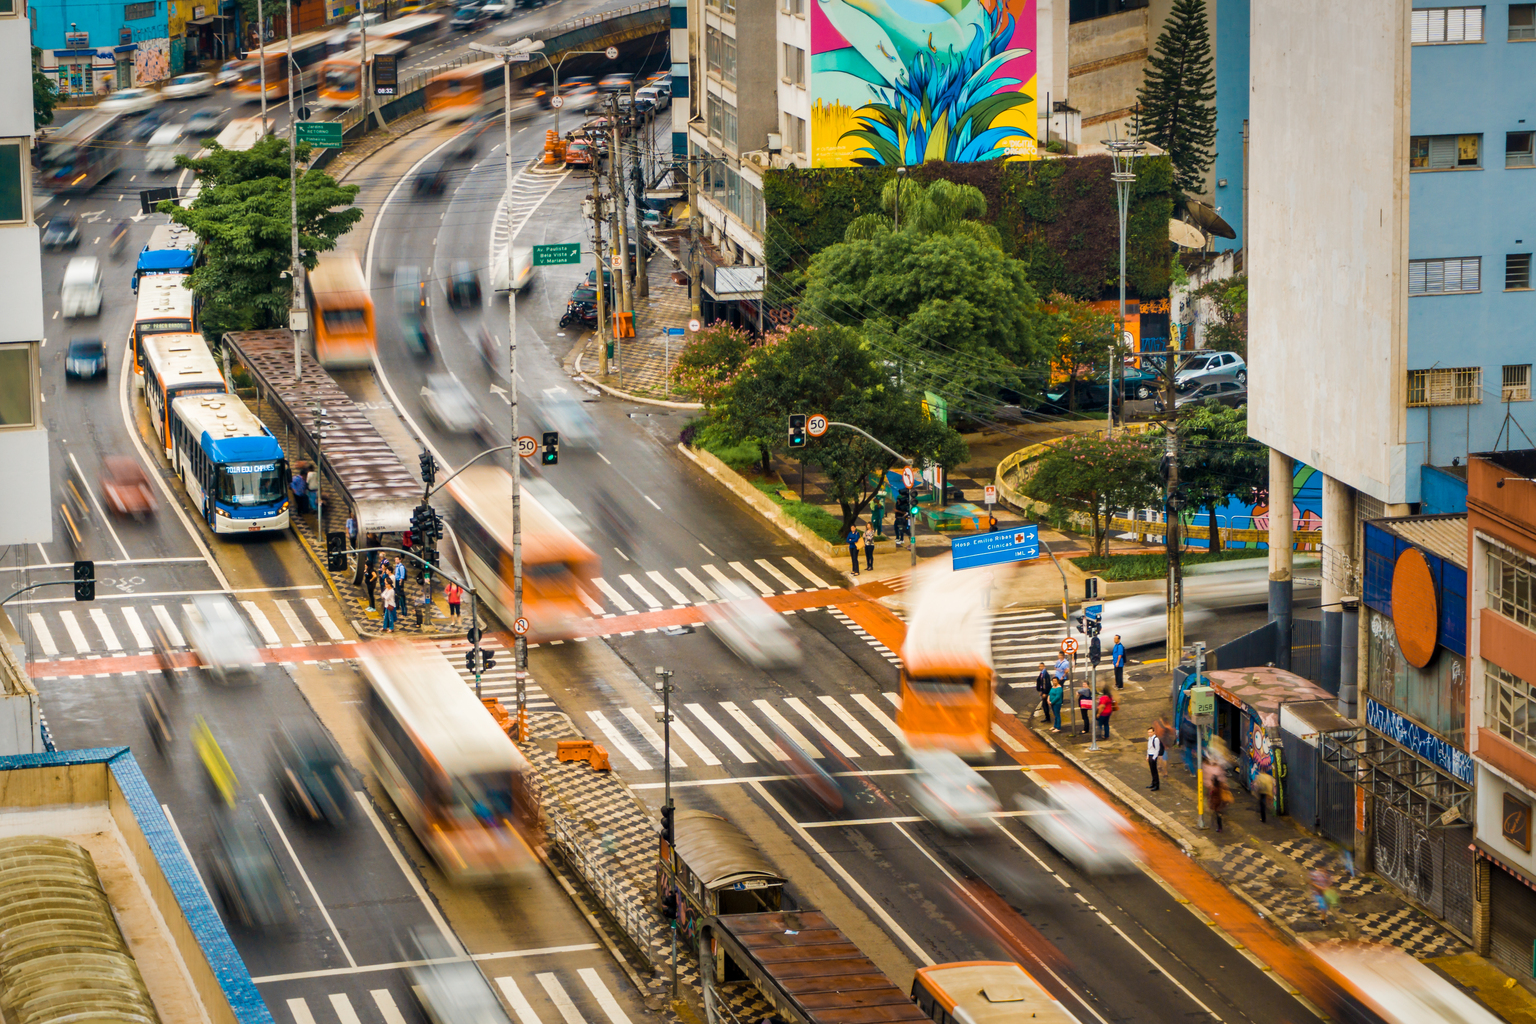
x=615, y=896
x=588, y=20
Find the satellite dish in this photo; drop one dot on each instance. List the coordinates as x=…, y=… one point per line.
x=1185, y=235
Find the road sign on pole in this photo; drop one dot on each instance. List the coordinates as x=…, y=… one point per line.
x=556, y=255
x=322, y=134
x=693, y=325
x=994, y=548
x=612, y=53
x=527, y=446
x=908, y=477
x=989, y=495
x=816, y=425
x=520, y=626
x=557, y=102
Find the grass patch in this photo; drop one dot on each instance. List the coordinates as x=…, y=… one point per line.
x=1154, y=566
x=814, y=518
x=740, y=457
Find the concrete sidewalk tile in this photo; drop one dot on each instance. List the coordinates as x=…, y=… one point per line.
x=1509, y=999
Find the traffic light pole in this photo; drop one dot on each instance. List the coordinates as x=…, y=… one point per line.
x=664, y=687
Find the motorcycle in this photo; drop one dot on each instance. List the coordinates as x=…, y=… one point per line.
x=119, y=244
x=582, y=313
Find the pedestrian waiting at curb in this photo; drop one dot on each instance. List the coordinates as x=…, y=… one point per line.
x=877, y=513
x=300, y=491
x=1106, y=703
x=1117, y=659
x=1057, y=695
x=455, y=596
x=389, y=609
x=1043, y=683
x=1155, y=752
x=869, y=548
x=853, y=548
x=1085, y=705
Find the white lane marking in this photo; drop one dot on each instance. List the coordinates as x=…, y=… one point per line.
x=644, y=595
x=586, y=599
x=136, y=627
x=750, y=726
x=873, y=710
x=406, y=870
x=80, y=475
x=518, y=1001
x=104, y=627
x=620, y=744
x=739, y=751
x=894, y=698
x=772, y=714
x=1007, y=740
x=184, y=849
x=771, y=570
x=604, y=997
x=708, y=552
x=1001, y=705
x=693, y=581
x=343, y=1007
x=677, y=596
x=856, y=726
x=292, y=618
x=300, y=1010
x=816, y=581
x=843, y=747
x=385, y=1001
x=304, y=875
x=259, y=620
x=655, y=506
x=729, y=585
x=318, y=611
x=44, y=638
x=169, y=625
x=612, y=595
x=746, y=574
x=76, y=636
x=685, y=734
x=651, y=735
x=603, y=457
x=563, y=1003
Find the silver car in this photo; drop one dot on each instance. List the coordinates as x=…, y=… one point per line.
x=1205, y=367
x=221, y=638
x=450, y=993
x=949, y=792
x=755, y=632
x=1082, y=828
x=447, y=402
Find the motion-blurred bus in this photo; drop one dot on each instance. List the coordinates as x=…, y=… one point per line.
x=342, y=312
x=83, y=152
x=985, y=992
x=456, y=778
x=166, y=306
x=947, y=681
x=1383, y=985
x=230, y=464
x=556, y=565
x=176, y=365
x=462, y=92
x=340, y=79
x=308, y=51
x=411, y=29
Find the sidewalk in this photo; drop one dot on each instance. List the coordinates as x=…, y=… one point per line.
x=640, y=366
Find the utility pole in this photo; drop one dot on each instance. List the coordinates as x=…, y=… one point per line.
x=693, y=237
x=1173, y=532
x=600, y=257
x=1124, y=154
x=642, y=285
x=668, y=814
x=362, y=68
x=620, y=208
x=261, y=48
x=298, y=317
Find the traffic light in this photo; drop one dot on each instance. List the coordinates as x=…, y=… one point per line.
x=469, y=660
x=336, y=548
x=667, y=811
x=797, y=430
x=428, y=468
x=669, y=906
x=85, y=581
x=421, y=523
x=551, y=448
x=904, y=502
x=487, y=659
x=1091, y=588
x=437, y=527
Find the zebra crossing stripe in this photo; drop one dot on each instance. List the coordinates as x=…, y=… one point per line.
x=612, y=595
x=736, y=749
x=843, y=747
x=318, y=611
x=677, y=596
x=292, y=618
x=300, y=1010
x=729, y=585
x=752, y=730
x=562, y=1001
x=104, y=627
x=693, y=581
x=44, y=638
x=746, y=574
x=386, y=1004
x=685, y=734
x=166, y=623
x=873, y=710
x=644, y=595
x=610, y=1005
x=1007, y=740
x=855, y=726
x=586, y=599
x=619, y=742
x=259, y=620
x=772, y=714
x=137, y=629
x=816, y=581
x=651, y=736
x=343, y=1007
x=769, y=568
x=518, y=1001
x=76, y=636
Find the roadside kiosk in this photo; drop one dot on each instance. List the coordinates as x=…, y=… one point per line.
x=712, y=869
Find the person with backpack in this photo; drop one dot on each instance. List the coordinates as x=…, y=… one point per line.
x=1155, y=751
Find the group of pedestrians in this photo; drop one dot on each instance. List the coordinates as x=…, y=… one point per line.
x=901, y=524
x=385, y=577
x=1054, y=685
x=305, y=487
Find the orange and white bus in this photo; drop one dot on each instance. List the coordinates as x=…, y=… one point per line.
x=340, y=79
x=457, y=779
x=947, y=680
x=176, y=365
x=411, y=29
x=342, y=310
x=556, y=565
x=166, y=306
x=308, y=51
x=462, y=92
x=985, y=992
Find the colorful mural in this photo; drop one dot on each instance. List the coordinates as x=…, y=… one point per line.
x=1253, y=513
x=152, y=61
x=903, y=81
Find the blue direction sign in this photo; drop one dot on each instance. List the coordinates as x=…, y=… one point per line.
x=674, y=330
x=993, y=548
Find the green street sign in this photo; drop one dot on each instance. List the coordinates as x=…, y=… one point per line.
x=556, y=255
x=324, y=134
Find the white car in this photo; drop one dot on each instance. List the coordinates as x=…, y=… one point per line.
x=521, y=268
x=447, y=402
x=660, y=98
x=168, y=142
x=754, y=632
x=129, y=101
x=221, y=638
x=80, y=295
x=1141, y=620
x=1081, y=827
x=949, y=792
x=196, y=83
x=497, y=11
x=570, y=419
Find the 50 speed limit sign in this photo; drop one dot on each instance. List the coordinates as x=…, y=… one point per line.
x=527, y=446
x=816, y=425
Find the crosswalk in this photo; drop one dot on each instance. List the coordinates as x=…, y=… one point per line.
x=543, y=997
x=1021, y=640
x=113, y=628
x=643, y=590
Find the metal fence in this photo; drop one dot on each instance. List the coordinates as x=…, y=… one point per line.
x=588, y=20
x=616, y=896
x=1432, y=865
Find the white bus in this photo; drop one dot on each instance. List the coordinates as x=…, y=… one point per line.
x=457, y=779
x=230, y=464
x=166, y=306
x=176, y=365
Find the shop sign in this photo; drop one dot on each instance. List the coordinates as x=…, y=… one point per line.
x=1515, y=824
x=77, y=40
x=1420, y=740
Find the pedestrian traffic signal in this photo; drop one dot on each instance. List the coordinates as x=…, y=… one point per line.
x=469, y=659
x=85, y=581
x=797, y=430
x=667, y=811
x=487, y=661
x=437, y=525
x=669, y=906
x=904, y=502
x=428, y=468
x=551, y=448
x=336, y=552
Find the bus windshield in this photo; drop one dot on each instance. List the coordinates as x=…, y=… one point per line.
x=341, y=79
x=942, y=685
x=349, y=321
x=59, y=154
x=488, y=796
x=250, y=483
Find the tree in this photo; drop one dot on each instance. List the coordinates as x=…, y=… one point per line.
x=1220, y=460
x=1227, y=329
x=940, y=207
x=1084, y=336
x=710, y=360
x=1091, y=474
x=241, y=214
x=45, y=94
x=1175, y=98
x=828, y=370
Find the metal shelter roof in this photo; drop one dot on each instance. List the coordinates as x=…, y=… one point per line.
x=718, y=852
x=357, y=459
x=1443, y=535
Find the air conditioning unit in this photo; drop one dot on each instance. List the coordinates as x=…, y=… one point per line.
x=775, y=142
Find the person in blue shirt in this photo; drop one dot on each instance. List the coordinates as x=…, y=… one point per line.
x=1117, y=659
x=853, y=547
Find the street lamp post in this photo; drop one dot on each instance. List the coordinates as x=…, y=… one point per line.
x=1124, y=153
x=298, y=320
x=664, y=687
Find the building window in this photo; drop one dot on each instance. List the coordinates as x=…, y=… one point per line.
x=728, y=123
x=728, y=59
x=1510, y=701
x=1443, y=152
x=1448, y=25
x=1522, y=21
x=1512, y=586
x=794, y=65
x=1461, y=385
x=799, y=76
x=1518, y=150
x=1517, y=384
x=794, y=132
x=712, y=49
x=714, y=115
x=1517, y=271
x=14, y=185
x=1445, y=276
x=18, y=385
x=135, y=12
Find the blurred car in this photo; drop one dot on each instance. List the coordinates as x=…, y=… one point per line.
x=513, y=275
x=497, y=11
x=125, y=487
x=148, y=124
x=1142, y=619
x=229, y=71
x=448, y=403
x=463, y=286
x=1226, y=392
x=220, y=637
x=825, y=772
x=80, y=292
x=949, y=792
x=165, y=145
x=656, y=96
x=129, y=101
x=754, y=632
x=247, y=878
x=432, y=179
x=450, y=988
x=195, y=83
x=207, y=122
x=582, y=97
x=1204, y=367
x=411, y=302
x=86, y=359
x=563, y=413
x=578, y=153
x=1077, y=823
x=374, y=18
x=61, y=233
x=311, y=774
x=467, y=19
x=618, y=81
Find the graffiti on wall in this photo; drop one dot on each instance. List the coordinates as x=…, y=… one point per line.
x=897, y=82
x=152, y=61
x=1421, y=741
x=1252, y=511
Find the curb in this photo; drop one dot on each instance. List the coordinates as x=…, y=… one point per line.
x=616, y=393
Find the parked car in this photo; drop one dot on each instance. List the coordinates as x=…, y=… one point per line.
x=578, y=153
x=463, y=285
x=311, y=774
x=657, y=97
x=195, y=83
x=1227, y=392
x=125, y=487
x=247, y=877
x=80, y=294
x=86, y=359
x=1141, y=383
x=949, y=792
x=1204, y=367
x=207, y=122
x=220, y=637
x=62, y=232
x=1091, y=395
x=129, y=101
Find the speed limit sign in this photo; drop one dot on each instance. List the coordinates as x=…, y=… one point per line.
x=816, y=425
x=527, y=446
x=557, y=102
x=612, y=53
x=520, y=626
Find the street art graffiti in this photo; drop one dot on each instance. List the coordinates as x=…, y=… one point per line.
x=897, y=82
x=152, y=61
x=1252, y=512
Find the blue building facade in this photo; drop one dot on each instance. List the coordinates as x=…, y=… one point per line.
x=1231, y=115
x=95, y=48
